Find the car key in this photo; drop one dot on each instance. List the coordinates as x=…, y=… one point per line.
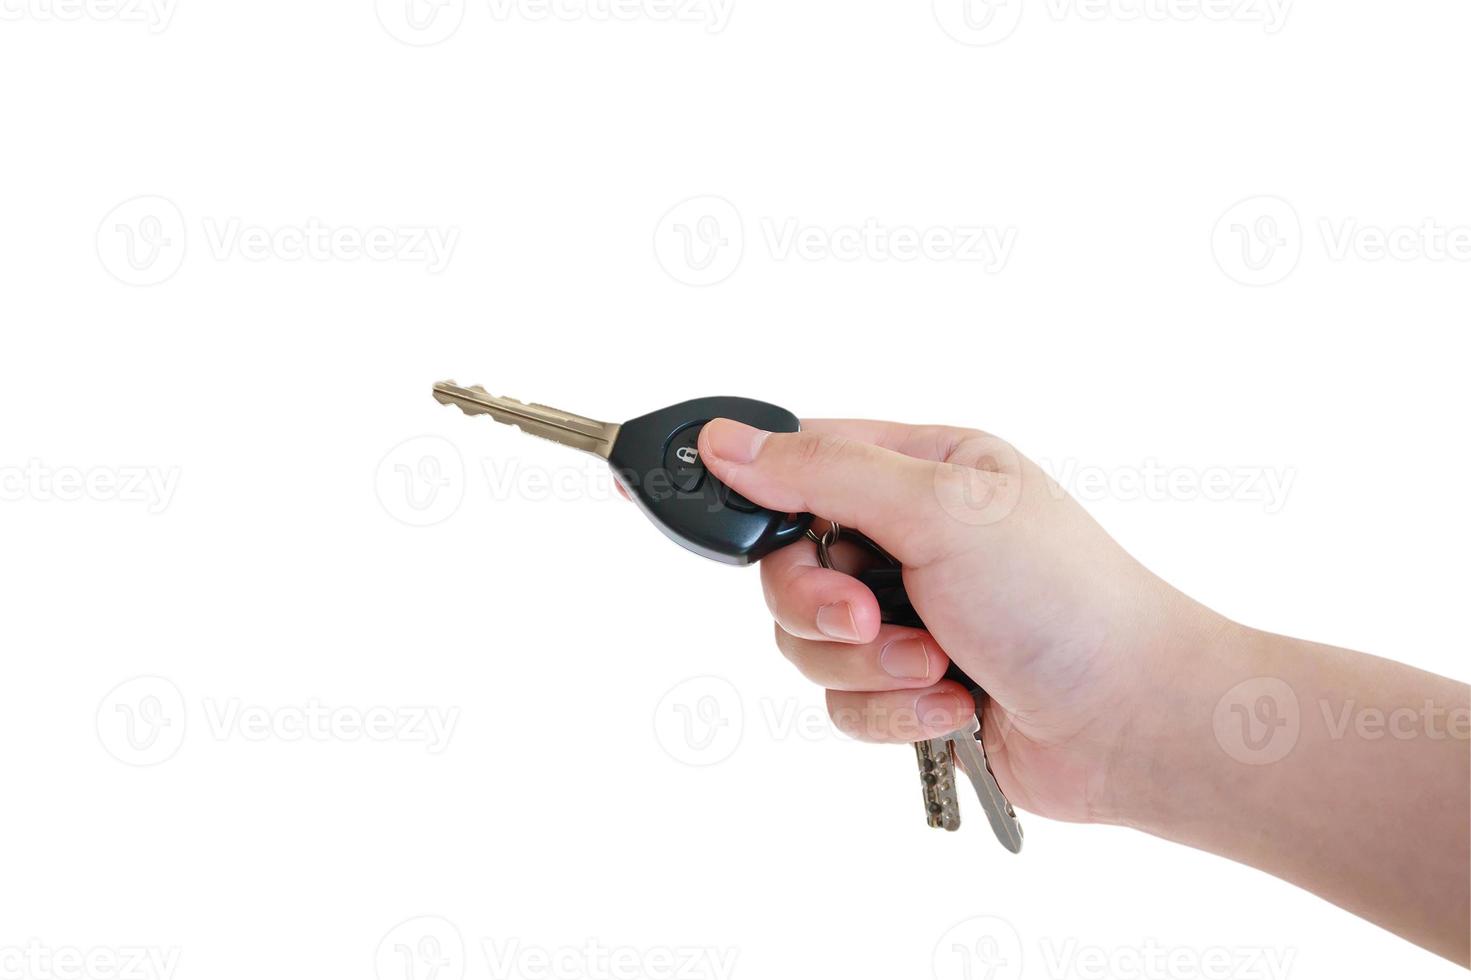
x=656, y=459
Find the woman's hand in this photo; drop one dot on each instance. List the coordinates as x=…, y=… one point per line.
x=1114, y=698
x=1015, y=582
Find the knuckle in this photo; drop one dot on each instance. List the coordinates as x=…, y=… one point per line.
x=797, y=573
x=863, y=716
x=847, y=715
x=805, y=656
x=978, y=450
x=785, y=642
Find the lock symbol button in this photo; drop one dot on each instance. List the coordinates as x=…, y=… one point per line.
x=682, y=458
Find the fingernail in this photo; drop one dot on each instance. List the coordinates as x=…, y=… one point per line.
x=734, y=442
x=936, y=710
x=906, y=659
x=836, y=622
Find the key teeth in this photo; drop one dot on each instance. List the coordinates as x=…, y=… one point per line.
x=445, y=398
x=541, y=421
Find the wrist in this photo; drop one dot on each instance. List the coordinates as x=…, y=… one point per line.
x=1157, y=777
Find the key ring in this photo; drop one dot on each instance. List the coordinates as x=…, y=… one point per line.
x=828, y=538
x=824, y=541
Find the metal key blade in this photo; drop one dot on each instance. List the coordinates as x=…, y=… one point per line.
x=972, y=757
x=577, y=431
x=937, y=783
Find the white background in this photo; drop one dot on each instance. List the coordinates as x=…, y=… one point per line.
x=275, y=390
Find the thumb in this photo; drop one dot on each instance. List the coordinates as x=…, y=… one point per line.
x=886, y=495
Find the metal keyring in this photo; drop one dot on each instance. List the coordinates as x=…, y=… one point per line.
x=824, y=541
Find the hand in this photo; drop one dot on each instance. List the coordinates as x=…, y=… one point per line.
x=1112, y=694
x=1015, y=582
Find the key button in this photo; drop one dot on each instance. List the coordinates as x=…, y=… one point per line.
x=682, y=459
x=735, y=501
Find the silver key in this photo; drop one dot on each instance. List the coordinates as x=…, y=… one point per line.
x=937, y=756
x=937, y=781
x=577, y=431
x=971, y=755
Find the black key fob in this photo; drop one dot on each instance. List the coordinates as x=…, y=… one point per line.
x=656, y=457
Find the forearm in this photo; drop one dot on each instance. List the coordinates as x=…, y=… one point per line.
x=1340, y=772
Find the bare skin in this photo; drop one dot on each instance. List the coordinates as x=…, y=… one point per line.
x=1117, y=699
